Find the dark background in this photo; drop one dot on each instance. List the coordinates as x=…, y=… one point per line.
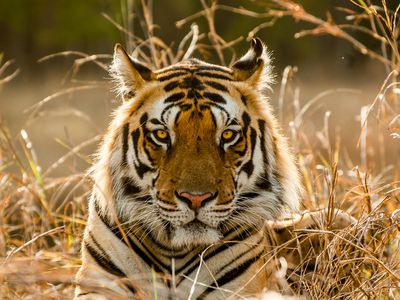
x=32, y=29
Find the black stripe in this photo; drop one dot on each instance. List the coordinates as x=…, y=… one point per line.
x=241, y=236
x=143, y=119
x=278, y=189
x=232, y=274
x=280, y=230
x=248, y=167
x=164, y=248
x=86, y=293
x=170, y=86
x=155, y=143
x=192, y=83
x=194, y=94
x=141, y=168
x=239, y=140
x=150, y=261
x=168, y=209
x=185, y=107
x=244, y=99
x=130, y=287
x=145, y=132
x=117, y=232
x=170, y=76
x=125, y=133
x=213, y=75
x=155, y=121
x=246, y=120
x=129, y=186
x=148, y=257
x=250, y=195
x=263, y=182
x=130, y=95
x=239, y=229
x=253, y=140
x=246, y=123
x=204, y=107
x=165, y=110
x=216, y=86
x=176, y=120
x=102, y=217
x=102, y=259
x=214, y=97
x=92, y=251
x=176, y=68
x=147, y=151
x=215, y=68
x=261, y=125
x=232, y=121
x=219, y=107
x=174, y=97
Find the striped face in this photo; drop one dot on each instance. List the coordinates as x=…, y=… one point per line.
x=199, y=150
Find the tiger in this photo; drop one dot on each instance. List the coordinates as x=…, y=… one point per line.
x=192, y=165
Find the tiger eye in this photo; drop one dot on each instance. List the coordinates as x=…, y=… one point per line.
x=161, y=134
x=227, y=134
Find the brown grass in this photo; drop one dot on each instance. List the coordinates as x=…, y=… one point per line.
x=42, y=217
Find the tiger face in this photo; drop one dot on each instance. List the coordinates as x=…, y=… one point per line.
x=198, y=151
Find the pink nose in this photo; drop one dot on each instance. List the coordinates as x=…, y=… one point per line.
x=195, y=200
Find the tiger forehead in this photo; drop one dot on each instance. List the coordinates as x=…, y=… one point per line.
x=196, y=84
x=193, y=74
x=194, y=66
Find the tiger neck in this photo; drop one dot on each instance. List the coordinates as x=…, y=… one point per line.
x=186, y=258
x=160, y=243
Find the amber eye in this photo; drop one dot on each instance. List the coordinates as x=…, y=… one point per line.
x=162, y=135
x=228, y=135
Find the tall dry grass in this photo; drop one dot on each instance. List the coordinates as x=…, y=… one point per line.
x=42, y=217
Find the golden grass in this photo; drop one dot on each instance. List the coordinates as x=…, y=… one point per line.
x=42, y=218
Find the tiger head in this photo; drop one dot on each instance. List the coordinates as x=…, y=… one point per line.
x=195, y=151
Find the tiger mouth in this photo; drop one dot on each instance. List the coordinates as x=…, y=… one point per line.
x=195, y=233
x=196, y=227
x=196, y=223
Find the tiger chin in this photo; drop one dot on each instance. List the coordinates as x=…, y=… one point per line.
x=191, y=167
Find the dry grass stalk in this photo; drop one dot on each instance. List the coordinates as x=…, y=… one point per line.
x=3, y=68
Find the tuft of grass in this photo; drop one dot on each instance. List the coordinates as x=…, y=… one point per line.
x=42, y=217
x=4, y=75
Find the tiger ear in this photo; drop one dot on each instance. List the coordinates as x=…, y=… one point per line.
x=129, y=74
x=254, y=67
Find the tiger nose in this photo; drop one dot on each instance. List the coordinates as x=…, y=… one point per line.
x=195, y=201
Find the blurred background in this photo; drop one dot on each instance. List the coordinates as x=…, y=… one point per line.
x=31, y=30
